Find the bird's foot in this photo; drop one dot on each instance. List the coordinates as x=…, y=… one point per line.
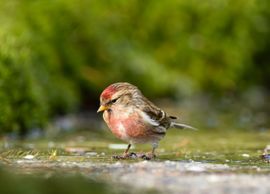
x=125, y=156
x=132, y=155
x=266, y=157
x=148, y=156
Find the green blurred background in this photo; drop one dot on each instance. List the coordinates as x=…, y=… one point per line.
x=56, y=56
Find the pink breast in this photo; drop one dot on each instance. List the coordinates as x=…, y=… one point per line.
x=118, y=130
x=136, y=128
x=128, y=127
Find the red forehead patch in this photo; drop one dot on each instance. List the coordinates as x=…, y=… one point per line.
x=108, y=92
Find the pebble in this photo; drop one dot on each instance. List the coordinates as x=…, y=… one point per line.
x=79, y=150
x=29, y=157
x=196, y=168
x=246, y=155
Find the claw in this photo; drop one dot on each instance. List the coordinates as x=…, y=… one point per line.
x=133, y=155
x=145, y=157
x=125, y=156
x=149, y=156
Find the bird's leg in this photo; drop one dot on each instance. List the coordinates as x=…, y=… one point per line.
x=126, y=151
x=153, y=152
x=150, y=155
x=129, y=155
x=154, y=147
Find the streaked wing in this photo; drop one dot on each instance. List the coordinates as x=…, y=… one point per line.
x=155, y=114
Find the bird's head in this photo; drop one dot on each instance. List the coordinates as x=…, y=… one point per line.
x=117, y=94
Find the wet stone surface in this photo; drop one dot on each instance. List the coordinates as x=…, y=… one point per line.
x=162, y=176
x=232, y=162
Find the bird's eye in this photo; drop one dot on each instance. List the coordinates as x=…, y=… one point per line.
x=114, y=100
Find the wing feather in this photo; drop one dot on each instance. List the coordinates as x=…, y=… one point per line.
x=156, y=114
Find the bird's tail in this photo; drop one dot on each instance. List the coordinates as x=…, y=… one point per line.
x=182, y=126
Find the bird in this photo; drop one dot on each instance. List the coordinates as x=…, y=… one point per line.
x=134, y=119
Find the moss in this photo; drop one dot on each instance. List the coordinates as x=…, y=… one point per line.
x=57, y=57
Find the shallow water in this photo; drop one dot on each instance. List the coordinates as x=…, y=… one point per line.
x=183, y=158
x=234, y=148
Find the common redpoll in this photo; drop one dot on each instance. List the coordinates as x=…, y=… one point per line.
x=133, y=118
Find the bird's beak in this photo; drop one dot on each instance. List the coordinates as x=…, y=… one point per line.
x=102, y=108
